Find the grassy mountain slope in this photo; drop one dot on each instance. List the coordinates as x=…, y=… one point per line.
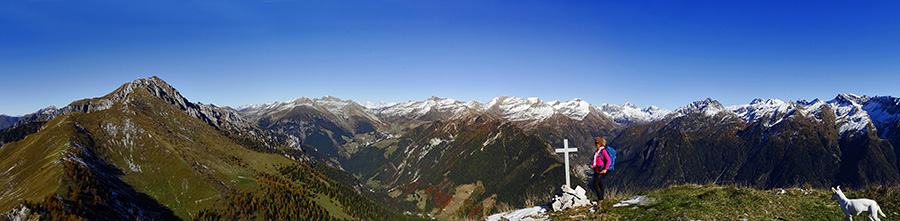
x=694, y=202
x=34, y=161
x=179, y=160
x=143, y=157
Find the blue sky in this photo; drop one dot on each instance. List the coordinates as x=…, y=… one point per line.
x=662, y=53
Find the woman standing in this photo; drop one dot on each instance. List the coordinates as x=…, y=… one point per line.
x=600, y=165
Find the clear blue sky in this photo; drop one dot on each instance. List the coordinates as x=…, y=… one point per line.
x=662, y=53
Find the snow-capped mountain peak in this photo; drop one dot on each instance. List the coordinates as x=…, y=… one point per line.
x=856, y=112
x=377, y=105
x=708, y=107
x=771, y=111
x=630, y=105
x=576, y=109
x=630, y=114
x=853, y=113
x=47, y=110
x=848, y=99
x=804, y=102
x=332, y=105
x=534, y=110
x=883, y=109
x=280, y=105
x=520, y=109
x=416, y=109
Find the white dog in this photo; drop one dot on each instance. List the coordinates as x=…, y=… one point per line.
x=856, y=206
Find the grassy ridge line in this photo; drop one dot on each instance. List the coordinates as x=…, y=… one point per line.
x=695, y=202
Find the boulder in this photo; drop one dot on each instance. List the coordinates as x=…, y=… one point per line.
x=569, y=198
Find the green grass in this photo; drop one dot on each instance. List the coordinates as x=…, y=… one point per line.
x=170, y=164
x=334, y=208
x=22, y=169
x=694, y=202
x=181, y=158
x=177, y=159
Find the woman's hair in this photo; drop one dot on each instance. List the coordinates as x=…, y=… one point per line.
x=600, y=140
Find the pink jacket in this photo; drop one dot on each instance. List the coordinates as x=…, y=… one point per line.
x=600, y=162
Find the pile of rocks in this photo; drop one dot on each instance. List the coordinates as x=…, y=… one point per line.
x=570, y=198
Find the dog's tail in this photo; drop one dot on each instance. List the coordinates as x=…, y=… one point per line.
x=882, y=213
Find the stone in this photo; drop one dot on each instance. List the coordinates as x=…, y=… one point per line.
x=580, y=191
x=557, y=205
x=569, y=198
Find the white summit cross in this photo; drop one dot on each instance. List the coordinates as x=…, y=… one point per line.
x=566, y=150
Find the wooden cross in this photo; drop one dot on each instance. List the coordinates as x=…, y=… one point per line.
x=566, y=150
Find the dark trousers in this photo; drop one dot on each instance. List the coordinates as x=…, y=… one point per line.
x=598, y=187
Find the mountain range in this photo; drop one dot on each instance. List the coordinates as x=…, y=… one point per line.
x=438, y=157
x=850, y=140
x=770, y=143
x=7, y=121
x=145, y=152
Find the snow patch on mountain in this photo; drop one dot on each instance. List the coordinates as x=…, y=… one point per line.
x=437, y=141
x=491, y=140
x=533, y=213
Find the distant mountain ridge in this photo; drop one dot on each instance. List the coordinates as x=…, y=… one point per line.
x=533, y=110
x=855, y=113
x=530, y=110
x=850, y=140
x=7, y=121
